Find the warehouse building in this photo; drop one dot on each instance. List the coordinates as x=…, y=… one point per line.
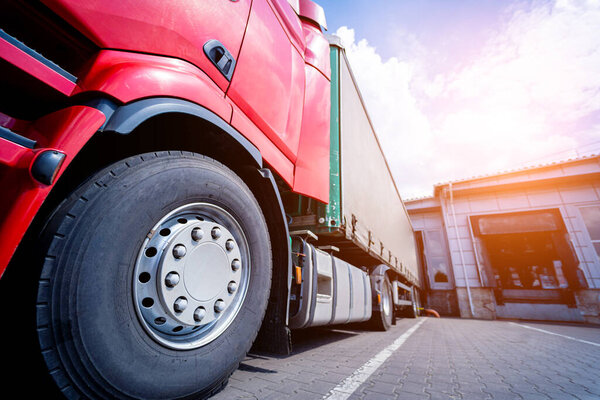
x=521, y=244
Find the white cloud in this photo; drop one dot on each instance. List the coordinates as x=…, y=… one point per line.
x=533, y=91
x=385, y=86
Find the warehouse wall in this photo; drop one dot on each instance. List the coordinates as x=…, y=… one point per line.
x=567, y=197
x=568, y=187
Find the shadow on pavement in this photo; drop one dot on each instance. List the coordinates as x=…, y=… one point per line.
x=310, y=338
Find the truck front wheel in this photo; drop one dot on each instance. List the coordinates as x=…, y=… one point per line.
x=155, y=280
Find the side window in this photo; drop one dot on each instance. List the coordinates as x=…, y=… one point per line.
x=440, y=277
x=591, y=218
x=437, y=260
x=434, y=244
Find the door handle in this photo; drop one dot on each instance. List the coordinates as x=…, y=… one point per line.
x=220, y=57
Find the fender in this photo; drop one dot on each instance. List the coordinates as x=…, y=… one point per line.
x=376, y=281
x=128, y=117
x=127, y=76
x=380, y=271
x=274, y=335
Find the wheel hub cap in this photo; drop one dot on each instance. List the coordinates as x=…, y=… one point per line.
x=191, y=276
x=207, y=271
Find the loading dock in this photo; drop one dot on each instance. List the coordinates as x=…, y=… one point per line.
x=521, y=244
x=527, y=257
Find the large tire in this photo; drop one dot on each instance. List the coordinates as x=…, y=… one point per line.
x=383, y=315
x=409, y=311
x=100, y=335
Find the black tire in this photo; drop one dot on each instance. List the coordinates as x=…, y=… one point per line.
x=409, y=311
x=383, y=316
x=414, y=310
x=91, y=336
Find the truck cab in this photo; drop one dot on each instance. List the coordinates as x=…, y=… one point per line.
x=165, y=168
x=175, y=127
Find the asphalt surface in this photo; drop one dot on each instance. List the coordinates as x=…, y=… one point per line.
x=438, y=359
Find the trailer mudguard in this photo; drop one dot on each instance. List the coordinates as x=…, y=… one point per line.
x=376, y=281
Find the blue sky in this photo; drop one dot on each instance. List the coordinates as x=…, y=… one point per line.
x=441, y=24
x=462, y=88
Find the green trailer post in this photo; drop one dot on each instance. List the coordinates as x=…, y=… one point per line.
x=365, y=222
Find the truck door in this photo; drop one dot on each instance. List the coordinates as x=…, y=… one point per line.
x=268, y=84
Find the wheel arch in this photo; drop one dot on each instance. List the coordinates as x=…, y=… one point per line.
x=159, y=124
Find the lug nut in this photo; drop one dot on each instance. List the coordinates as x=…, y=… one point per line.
x=199, y=314
x=229, y=245
x=236, y=264
x=179, y=251
x=232, y=287
x=216, y=233
x=197, y=234
x=172, y=279
x=219, y=306
x=180, y=304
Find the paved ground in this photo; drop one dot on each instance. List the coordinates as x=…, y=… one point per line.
x=442, y=359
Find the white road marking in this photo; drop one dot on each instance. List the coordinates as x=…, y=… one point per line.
x=345, y=388
x=557, y=334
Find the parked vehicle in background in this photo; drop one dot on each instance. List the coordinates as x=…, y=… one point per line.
x=179, y=178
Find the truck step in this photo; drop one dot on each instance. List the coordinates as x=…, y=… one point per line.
x=9, y=135
x=39, y=57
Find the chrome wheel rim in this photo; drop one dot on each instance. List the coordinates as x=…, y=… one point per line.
x=386, y=300
x=191, y=276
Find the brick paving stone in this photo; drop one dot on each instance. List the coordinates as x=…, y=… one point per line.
x=355, y=396
x=304, y=395
x=237, y=393
x=383, y=388
x=443, y=359
x=370, y=395
x=411, y=387
x=444, y=396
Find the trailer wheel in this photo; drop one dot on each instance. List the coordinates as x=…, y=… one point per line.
x=410, y=311
x=155, y=281
x=414, y=310
x=383, y=316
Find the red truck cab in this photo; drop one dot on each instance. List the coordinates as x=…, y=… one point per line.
x=143, y=148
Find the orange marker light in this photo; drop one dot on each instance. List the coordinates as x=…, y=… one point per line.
x=378, y=298
x=298, y=274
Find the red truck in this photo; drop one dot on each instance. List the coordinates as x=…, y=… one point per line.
x=154, y=158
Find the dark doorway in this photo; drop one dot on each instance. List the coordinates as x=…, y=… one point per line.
x=527, y=267
x=529, y=258
x=525, y=261
x=444, y=301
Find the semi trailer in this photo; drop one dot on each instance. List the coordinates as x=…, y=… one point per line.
x=181, y=183
x=364, y=228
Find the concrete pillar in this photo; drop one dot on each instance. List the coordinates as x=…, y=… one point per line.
x=484, y=303
x=588, y=303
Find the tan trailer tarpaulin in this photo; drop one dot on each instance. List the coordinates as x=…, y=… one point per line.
x=373, y=212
